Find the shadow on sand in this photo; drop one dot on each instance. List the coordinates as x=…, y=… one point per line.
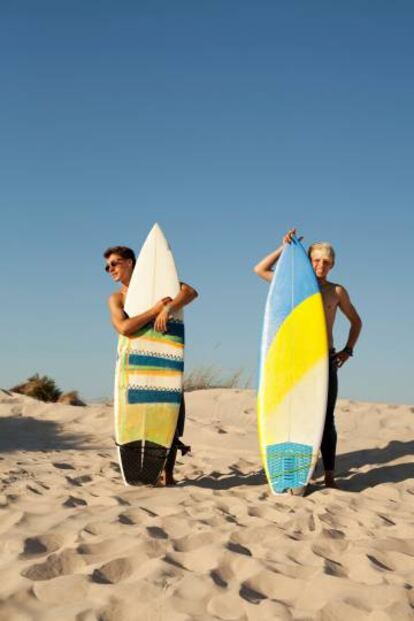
x=382, y=471
x=348, y=477
x=220, y=481
x=24, y=433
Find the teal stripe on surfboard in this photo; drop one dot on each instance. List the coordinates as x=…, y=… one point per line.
x=144, y=362
x=137, y=395
x=288, y=464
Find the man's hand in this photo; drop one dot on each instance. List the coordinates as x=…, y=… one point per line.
x=340, y=358
x=162, y=318
x=287, y=239
x=159, y=306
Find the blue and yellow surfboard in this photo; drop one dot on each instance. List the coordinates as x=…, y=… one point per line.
x=293, y=377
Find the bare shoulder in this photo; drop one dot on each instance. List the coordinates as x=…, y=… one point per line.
x=332, y=289
x=341, y=292
x=116, y=300
x=344, y=301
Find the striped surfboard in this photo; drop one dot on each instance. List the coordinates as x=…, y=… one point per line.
x=149, y=369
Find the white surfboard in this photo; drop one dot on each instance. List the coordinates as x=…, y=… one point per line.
x=149, y=369
x=155, y=275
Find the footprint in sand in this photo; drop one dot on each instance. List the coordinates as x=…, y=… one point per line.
x=132, y=516
x=333, y=533
x=63, y=466
x=267, y=584
x=238, y=548
x=42, y=544
x=72, y=501
x=333, y=568
x=251, y=595
x=68, y=562
x=380, y=562
x=328, y=549
x=79, y=481
x=222, y=575
x=156, y=533
x=98, y=529
x=113, y=572
x=34, y=490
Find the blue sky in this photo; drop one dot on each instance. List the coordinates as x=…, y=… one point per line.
x=227, y=122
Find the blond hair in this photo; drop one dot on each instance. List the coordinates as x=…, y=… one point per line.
x=325, y=248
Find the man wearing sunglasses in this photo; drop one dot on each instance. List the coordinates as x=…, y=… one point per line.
x=120, y=262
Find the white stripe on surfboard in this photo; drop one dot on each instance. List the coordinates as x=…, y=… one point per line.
x=307, y=399
x=172, y=382
x=147, y=346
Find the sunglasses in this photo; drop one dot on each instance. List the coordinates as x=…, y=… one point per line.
x=112, y=264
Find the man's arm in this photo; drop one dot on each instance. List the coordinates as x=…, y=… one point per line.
x=351, y=314
x=186, y=295
x=264, y=267
x=127, y=326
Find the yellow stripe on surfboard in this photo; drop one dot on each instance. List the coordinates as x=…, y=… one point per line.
x=148, y=421
x=154, y=372
x=284, y=367
x=162, y=341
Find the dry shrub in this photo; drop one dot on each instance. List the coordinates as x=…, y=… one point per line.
x=212, y=376
x=44, y=388
x=71, y=398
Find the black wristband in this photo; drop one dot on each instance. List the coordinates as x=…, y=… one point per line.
x=348, y=350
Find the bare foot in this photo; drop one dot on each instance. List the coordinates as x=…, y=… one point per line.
x=298, y=491
x=161, y=481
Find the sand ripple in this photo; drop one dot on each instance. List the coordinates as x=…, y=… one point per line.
x=78, y=545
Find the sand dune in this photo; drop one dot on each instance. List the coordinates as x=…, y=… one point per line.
x=78, y=545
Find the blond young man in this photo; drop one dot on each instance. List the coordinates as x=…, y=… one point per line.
x=322, y=257
x=120, y=262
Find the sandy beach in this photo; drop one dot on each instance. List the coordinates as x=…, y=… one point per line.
x=77, y=544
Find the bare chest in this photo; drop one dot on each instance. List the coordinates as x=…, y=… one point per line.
x=330, y=299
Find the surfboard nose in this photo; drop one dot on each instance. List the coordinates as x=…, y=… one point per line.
x=156, y=230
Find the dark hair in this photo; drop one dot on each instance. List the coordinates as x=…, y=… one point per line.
x=122, y=251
